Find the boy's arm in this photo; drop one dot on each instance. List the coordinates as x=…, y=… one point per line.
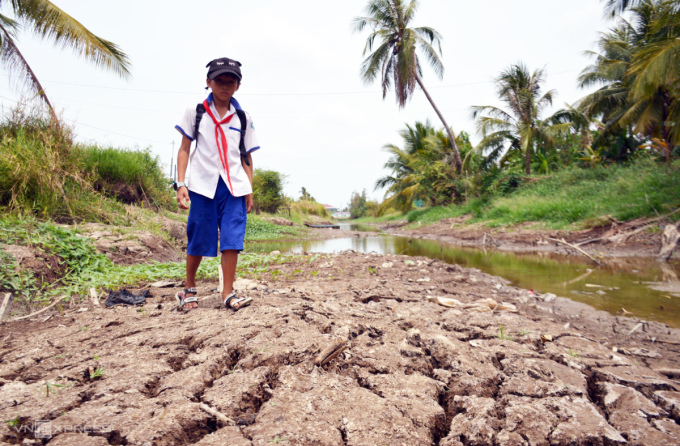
x=249, y=172
x=182, y=162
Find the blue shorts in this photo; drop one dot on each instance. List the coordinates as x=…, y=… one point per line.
x=225, y=213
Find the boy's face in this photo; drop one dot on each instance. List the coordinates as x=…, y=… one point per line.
x=224, y=86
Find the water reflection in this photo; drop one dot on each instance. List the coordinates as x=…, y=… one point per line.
x=620, y=283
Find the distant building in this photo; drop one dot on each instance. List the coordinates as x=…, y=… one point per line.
x=331, y=209
x=340, y=214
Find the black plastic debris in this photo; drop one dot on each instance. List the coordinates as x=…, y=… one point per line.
x=125, y=297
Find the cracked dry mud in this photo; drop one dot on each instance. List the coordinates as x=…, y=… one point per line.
x=414, y=372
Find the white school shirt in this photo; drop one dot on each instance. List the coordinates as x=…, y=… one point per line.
x=205, y=167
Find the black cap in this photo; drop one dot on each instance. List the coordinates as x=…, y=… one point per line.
x=224, y=65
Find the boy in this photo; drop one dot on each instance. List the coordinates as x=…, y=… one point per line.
x=220, y=181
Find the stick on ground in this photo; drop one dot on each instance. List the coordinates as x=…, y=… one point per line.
x=39, y=312
x=4, y=305
x=220, y=416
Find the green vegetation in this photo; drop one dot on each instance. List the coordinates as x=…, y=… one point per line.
x=259, y=229
x=50, y=22
x=308, y=207
x=131, y=176
x=81, y=267
x=601, y=156
x=573, y=198
x=395, y=57
x=268, y=190
x=44, y=174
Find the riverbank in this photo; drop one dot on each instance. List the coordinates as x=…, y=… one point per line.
x=414, y=372
x=635, y=238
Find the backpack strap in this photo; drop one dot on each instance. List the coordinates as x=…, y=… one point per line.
x=242, y=146
x=200, y=110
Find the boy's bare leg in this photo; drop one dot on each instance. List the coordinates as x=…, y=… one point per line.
x=229, y=260
x=193, y=262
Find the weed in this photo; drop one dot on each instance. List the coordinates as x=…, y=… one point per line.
x=372, y=270
x=276, y=440
x=523, y=332
x=98, y=373
x=13, y=422
x=96, y=357
x=85, y=328
x=50, y=388
x=573, y=354
x=314, y=273
x=501, y=333
x=233, y=370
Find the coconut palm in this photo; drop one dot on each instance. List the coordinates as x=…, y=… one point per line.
x=638, y=68
x=394, y=56
x=518, y=128
x=50, y=22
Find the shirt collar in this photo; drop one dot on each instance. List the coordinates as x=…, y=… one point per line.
x=234, y=102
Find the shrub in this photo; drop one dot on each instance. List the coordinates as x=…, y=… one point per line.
x=267, y=190
x=131, y=176
x=308, y=207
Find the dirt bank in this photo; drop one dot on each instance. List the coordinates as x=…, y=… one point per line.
x=615, y=239
x=414, y=372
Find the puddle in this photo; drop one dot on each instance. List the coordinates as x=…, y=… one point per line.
x=621, y=283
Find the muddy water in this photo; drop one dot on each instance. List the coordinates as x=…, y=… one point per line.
x=621, y=283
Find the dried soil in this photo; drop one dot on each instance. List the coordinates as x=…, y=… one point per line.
x=415, y=373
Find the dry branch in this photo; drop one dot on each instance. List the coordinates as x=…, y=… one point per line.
x=220, y=416
x=39, y=312
x=576, y=248
x=332, y=351
x=4, y=305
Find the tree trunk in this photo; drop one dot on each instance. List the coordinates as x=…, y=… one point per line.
x=527, y=162
x=669, y=240
x=456, y=153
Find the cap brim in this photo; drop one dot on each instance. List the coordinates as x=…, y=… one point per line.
x=216, y=73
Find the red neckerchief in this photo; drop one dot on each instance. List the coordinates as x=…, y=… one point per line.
x=219, y=133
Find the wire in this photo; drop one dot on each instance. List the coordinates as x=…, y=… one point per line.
x=93, y=127
x=271, y=94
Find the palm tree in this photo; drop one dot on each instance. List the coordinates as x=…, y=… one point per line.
x=638, y=68
x=518, y=129
x=50, y=22
x=394, y=58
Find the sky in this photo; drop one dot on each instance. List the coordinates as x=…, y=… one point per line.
x=317, y=122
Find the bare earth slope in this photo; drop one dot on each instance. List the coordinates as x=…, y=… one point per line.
x=415, y=372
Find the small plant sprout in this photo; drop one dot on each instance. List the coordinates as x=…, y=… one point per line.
x=276, y=440
x=523, y=332
x=96, y=357
x=372, y=270
x=84, y=328
x=314, y=273
x=502, y=334
x=98, y=373
x=13, y=422
x=573, y=353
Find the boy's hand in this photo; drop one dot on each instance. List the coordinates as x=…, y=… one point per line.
x=249, y=203
x=183, y=198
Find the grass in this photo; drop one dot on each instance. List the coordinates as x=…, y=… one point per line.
x=308, y=207
x=84, y=268
x=258, y=229
x=573, y=198
x=44, y=174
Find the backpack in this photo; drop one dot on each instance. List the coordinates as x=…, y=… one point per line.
x=200, y=110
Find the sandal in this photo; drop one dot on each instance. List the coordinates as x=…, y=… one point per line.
x=183, y=299
x=232, y=299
